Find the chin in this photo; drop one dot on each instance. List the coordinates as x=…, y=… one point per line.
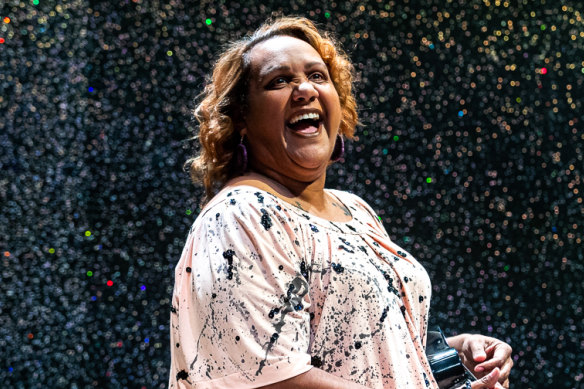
x=310, y=161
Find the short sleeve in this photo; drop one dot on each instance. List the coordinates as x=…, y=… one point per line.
x=240, y=305
x=355, y=203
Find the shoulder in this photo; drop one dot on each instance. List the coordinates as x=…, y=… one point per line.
x=360, y=210
x=353, y=201
x=345, y=195
x=244, y=205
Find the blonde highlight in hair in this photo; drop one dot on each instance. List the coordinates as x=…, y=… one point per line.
x=220, y=112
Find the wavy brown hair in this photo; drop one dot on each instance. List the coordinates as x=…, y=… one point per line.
x=224, y=99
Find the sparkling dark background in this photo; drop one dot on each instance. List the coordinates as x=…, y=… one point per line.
x=470, y=150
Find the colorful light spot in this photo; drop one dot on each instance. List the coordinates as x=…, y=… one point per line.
x=146, y=340
x=30, y=335
x=6, y=20
x=6, y=253
x=429, y=180
x=208, y=22
x=87, y=233
x=543, y=71
x=143, y=287
x=2, y=40
x=90, y=89
x=89, y=273
x=460, y=113
x=327, y=15
x=51, y=251
x=169, y=53
x=35, y=2
x=110, y=283
x=395, y=138
x=188, y=212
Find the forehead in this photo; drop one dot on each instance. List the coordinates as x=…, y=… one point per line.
x=281, y=52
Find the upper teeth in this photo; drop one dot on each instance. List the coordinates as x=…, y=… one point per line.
x=305, y=116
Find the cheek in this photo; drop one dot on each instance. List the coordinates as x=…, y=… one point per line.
x=253, y=107
x=333, y=95
x=334, y=103
x=266, y=106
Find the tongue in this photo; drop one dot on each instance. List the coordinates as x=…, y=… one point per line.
x=305, y=127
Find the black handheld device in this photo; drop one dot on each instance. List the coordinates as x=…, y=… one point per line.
x=445, y=363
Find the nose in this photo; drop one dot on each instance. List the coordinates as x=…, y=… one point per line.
x=305, y=91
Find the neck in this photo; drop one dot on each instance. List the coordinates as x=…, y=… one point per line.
x=308, y=196
x=311, y=192
x=305, y=193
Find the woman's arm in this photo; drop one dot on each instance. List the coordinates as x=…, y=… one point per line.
x=319, y=379
x=315, y=378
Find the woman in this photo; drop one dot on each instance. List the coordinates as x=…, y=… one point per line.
x=283, y=283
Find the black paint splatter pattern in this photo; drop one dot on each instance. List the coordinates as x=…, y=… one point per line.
x=268, y=300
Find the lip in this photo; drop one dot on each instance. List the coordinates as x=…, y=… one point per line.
x=315, y=134
x=305, y=111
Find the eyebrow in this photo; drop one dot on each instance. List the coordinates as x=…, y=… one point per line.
x=272, y=69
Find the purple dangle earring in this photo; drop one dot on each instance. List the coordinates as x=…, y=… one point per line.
x=339, y=149
x=241, y=155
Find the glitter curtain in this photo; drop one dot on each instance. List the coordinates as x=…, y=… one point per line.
x=470, y=150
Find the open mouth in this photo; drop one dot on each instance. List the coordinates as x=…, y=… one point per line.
x=305, y=124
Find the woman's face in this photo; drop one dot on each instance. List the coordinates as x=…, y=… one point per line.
x=293, y=112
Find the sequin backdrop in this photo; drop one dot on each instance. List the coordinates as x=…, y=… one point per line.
x=470, y=150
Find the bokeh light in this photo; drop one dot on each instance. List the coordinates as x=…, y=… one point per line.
x=470, y=151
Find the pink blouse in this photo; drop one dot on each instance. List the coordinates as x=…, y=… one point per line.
x=265, y=291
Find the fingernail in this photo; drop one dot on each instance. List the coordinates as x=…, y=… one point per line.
x=478, y=369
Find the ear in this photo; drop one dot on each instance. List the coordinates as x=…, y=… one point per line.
x=240, y=126
x=242, y=129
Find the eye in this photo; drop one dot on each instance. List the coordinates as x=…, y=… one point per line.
x=318, y=77
x=278, y=81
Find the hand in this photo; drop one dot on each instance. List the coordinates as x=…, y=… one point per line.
x=487, y=358
x=489, y=381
